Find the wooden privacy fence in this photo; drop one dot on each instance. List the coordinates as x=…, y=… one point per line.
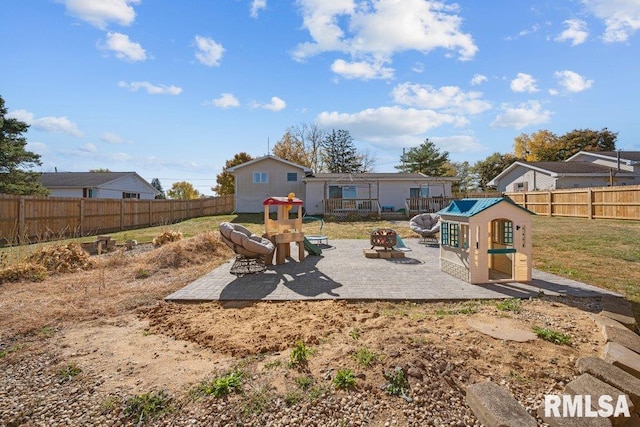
x=621, y=202
x=31, y=218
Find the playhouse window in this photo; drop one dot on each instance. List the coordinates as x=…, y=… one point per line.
x=503, y=232
x=449, y=234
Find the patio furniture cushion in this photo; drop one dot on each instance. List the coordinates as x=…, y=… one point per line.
x=426, y=224
x=244, y=242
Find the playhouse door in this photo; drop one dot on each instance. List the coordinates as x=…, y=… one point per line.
x=501, y=252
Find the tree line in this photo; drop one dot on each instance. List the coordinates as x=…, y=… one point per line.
x=324, y=151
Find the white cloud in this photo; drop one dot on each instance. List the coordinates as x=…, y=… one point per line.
x=378, y=125
x=621, y=17
x=37, y=147
x=123, y=48
x=112, y=138
x=521, y=116
x=208, y=52
x=256, y=6
x=276, y=104
x=575, y=32
x=101, y=12
x=524, y=83
x=458, y=143
x=572, y=81
x=151, y=88
x=447, y=98
x=361, y=70
x=374, y=31
x=47, y=124
x=226, y=100
x=88, y=148
x=478, y=79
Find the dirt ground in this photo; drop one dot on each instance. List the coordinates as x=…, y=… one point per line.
x=111, y=323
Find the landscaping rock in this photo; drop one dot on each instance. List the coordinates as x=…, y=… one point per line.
x=502, y=329
x=587, y=384
x=624, y=337
x=494, y=406
x=573, y=421
x=603, y=321
x=618, y=309
x=623, y=358
x=612, y=375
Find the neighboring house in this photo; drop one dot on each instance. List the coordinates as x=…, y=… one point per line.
x=327, y=193
x=101, y=185
x=265, y=177
x=584, y=169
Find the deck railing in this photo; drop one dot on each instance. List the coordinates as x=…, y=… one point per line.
x=418, y=205
x=345, y=207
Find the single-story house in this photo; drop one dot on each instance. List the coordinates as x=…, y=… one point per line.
x=583, y=169
x=101, y=185
x=264, y=177
x=335, y=193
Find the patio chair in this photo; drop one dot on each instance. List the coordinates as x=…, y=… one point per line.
x=251, y=250
x=427, y=225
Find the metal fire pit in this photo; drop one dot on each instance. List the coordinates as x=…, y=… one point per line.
x=385, y=237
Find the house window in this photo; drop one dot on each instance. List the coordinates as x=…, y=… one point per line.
x=449, y=234
x=260, y=177
x=519, y=186
x=126, y=195
x=292, y=177
x=89, y=193
x=343, y=192
x=417, y=192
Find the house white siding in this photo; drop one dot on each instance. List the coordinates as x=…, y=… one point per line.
x=128, y=184
x=250, y=195
x=65, y=192
x=525, y=179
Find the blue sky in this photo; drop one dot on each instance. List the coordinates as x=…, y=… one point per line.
x=173, y=89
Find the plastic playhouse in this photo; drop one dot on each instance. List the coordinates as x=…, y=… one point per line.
x=283, y=231
x=486, y=240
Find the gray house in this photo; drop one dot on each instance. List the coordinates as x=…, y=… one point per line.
x=584, y=169
x=101, y=185
x=264, y=177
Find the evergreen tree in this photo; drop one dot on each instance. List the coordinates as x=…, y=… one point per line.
x=155, y=183
x=426, y=159
x=340, y=154
x=16, y=176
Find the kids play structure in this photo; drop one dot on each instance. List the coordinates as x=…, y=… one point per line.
x=283, y=231
x=486, y=240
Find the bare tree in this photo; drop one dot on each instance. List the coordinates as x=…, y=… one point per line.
x=311, y=136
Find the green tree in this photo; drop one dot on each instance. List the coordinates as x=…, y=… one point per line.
x=425, y=158
x=155, y=183
x=462, y=170
x=183, y=191
x=225, y=181
x=487, y=169
x=340, y=154
x=291, y=149
x=586, y=140
x=16, y=162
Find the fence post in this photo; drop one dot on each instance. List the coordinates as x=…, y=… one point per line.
x=550, y=203
x=122, y=215
x=590, y=202
x=82, y=217
x=21, y=219
x=150, y=213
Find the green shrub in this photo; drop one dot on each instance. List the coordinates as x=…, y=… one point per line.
x=552, y=336
x=223, y=385
x=398, y=382
x=344, y=379
x=147, y=406
x=300, y=354
x=365, y=357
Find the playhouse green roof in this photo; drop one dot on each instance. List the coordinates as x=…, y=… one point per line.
x=470, y=207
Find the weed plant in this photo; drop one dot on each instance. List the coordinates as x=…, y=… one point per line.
x=344, y=379
x=552, y=336
x=365, y=357
x=147, y=406
x=300, y=354
x=222, y=386
x=511, y=304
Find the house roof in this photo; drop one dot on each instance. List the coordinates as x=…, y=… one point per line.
x=556, y=169
x=625, y=156
x=470, y=207
x=374, y=176
x=269, y=156
x=86, y=179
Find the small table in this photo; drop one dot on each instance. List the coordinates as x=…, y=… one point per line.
x=318, y=239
